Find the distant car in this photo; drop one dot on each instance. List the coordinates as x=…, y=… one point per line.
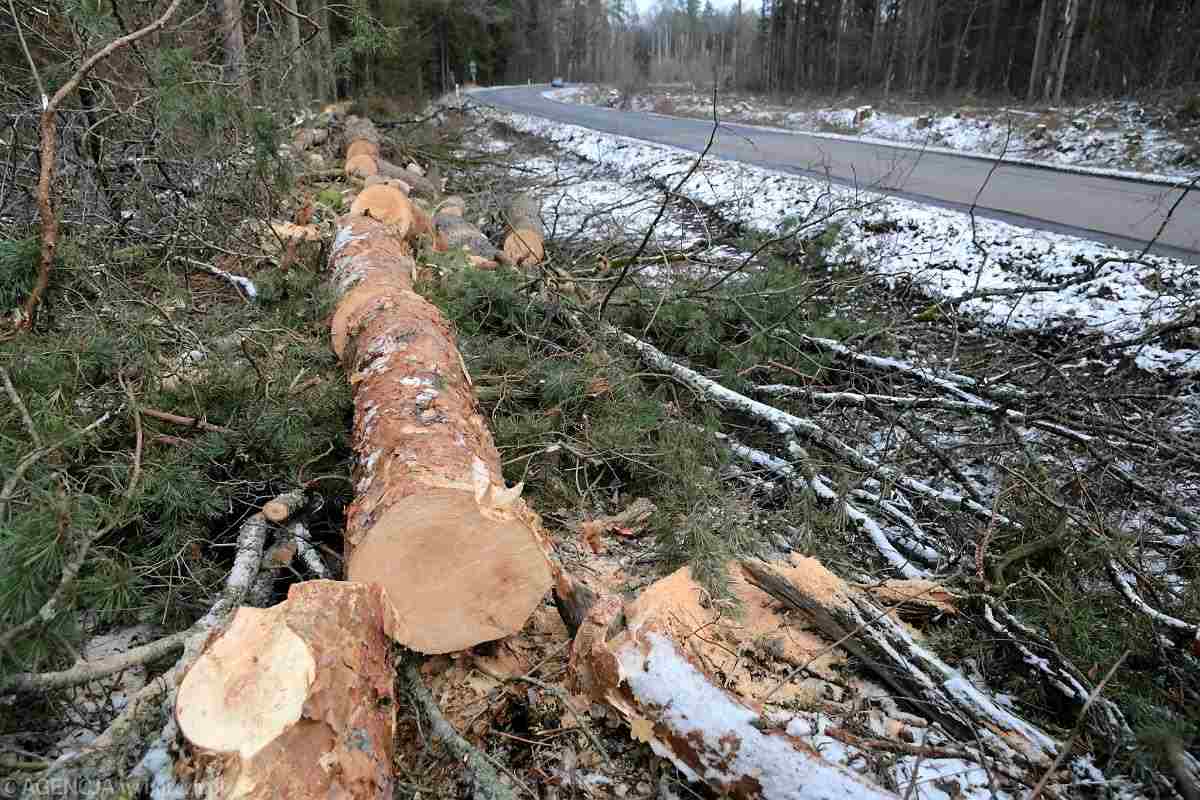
x=557, y=83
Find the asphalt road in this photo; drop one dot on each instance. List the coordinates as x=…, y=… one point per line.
x=1127, y=213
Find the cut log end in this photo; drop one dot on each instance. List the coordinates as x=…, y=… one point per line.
x=362, y=166
x=283, y=507
x=295, y=701
x=387, y=204
x=248, y=688
x=362, y=147
x=457, y=573
x=524, y=246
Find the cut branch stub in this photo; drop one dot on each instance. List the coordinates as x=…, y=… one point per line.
x=461, y=557
x=296, y=700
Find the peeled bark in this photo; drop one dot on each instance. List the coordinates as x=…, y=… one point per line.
x=525, y=242
x=296, y=700
x=461, y=558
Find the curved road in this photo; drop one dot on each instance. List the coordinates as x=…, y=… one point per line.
x=1123, y=212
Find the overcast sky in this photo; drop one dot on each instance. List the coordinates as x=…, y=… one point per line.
x=646, y=5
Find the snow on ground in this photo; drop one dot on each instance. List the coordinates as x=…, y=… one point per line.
x=582, y=203
x=1121, y=136
x=908, y=243
x=579, y=207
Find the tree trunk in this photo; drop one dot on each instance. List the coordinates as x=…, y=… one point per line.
x=296, y=700
x=1085, y=47
x=233, y=46
x=299, y=77
x=986, y=53
x=960, y=51
x=1065, y=47
x=461, y=235
x=1039, y=52
x=461, y=558
x=326, y=76
x=872, y=62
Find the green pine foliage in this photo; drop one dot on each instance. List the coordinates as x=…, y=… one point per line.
x=18, y=268
x=166, y=548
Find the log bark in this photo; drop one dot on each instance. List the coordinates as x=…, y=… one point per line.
x=309, y=137
x=463, y=235
x=525, y=242
x=849, y=617
x=461, y=557
x=296, y=700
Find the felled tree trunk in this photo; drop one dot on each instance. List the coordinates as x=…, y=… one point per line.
x=525, y=242
x=295, y=700
x=696, y=701
x=363, y=160
x=639, y=658
x=462, y=235
x=309, y=137
x=895, y=656
x=462, y=559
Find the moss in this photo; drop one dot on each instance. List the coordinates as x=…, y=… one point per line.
x=331, y=198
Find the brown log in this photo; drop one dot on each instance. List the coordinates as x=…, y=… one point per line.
x=362, y=165
x=362, y=147
x=377, y=180
x=525, y=242
x=421, y=186
x=646, y=660
x=386, y=204
x=461, y=558
x=309, y=137
x=359, y=128
x=363, y=159
x=462, y=235
x=295, y=701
